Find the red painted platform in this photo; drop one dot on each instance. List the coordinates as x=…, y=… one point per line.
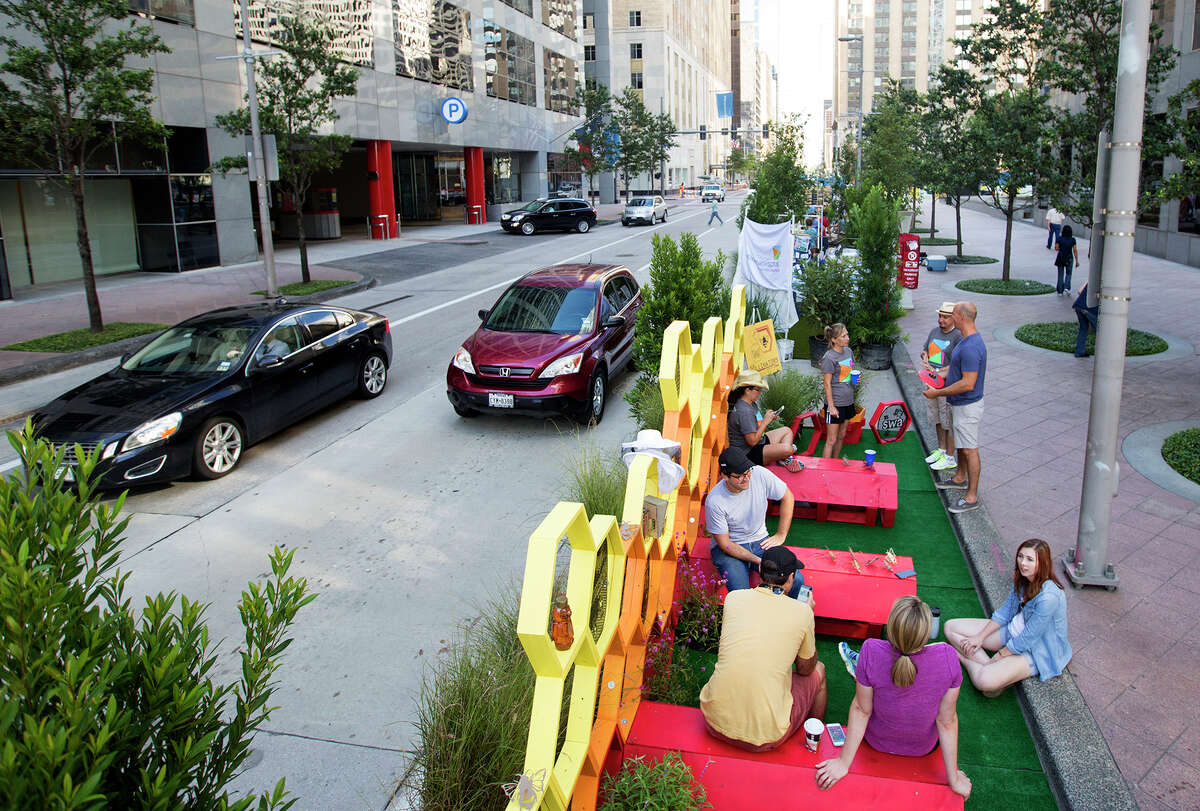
x=785, y=778
x=853, y=493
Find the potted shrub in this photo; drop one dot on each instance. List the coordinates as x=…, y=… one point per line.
x=876, y=323
x=827, y=297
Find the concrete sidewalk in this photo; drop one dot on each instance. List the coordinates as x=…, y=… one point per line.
x=1137, y=659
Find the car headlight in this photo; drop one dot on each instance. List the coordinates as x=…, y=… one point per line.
x=568, y=365
x=110, y=450
x=516, y=217
x=153, y=431
x=462, y=360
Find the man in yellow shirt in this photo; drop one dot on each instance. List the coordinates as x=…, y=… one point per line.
x=754, y=700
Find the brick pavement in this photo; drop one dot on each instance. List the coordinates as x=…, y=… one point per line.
x=1137, y=658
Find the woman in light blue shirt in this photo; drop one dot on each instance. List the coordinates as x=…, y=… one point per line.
x=1028, y=633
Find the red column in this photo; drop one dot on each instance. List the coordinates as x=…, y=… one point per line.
x=475, y=195
x=380, y=188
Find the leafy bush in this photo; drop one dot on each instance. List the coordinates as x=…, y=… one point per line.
x=1060, y=336
x=646, y=403
x=793, y=389
x=877, y=312
x=1000, y=287
x=664, y=786
x=828, y=295
x=596, y=479
x=103, y=705
x=473, y=716
x=1181, y=451
x=683, y=287
x=971, y=259
x=670, y=678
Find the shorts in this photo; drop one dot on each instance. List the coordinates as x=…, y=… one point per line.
x=966, y=420
x=845, y=414
x=1033, y=671
x=939, y=412
x=804, y=692
x=755, y=453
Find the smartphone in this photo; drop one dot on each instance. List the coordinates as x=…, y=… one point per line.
x=805, y=593
x=906, y=573
x=836, y=734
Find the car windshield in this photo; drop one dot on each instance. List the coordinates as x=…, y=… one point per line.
x=530, y=308
x=641, y=201
x=533, y=206
x=203, y=349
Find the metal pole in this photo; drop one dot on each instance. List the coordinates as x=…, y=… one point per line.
x=256, y=155
x=1099, y=205
x=1088, y=563
x=662, y=159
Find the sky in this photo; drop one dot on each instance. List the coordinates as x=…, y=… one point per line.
x=798, y=36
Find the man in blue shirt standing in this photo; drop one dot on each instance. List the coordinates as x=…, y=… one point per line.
x=964, y=392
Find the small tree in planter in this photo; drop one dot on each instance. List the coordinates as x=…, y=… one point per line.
x=828, y=298
x=875, y=323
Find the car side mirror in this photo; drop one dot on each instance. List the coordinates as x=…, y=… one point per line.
x=614, y=321
x=269, y=362
x=483, y=314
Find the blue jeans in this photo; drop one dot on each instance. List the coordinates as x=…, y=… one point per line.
x=717, y=216
x=1064, y=284
x=737, y=572
x=1087, y=320
x=1052, y=235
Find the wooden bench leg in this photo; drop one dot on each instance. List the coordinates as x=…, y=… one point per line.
x=889, y=518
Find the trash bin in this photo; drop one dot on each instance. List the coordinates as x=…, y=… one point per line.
x=786, y=346
x=936, y=263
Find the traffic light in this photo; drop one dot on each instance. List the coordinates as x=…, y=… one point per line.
x=766, y=131
x=703, y=133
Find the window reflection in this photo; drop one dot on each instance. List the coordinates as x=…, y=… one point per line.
x=433, y=42
x=179, y=11
x=523, y=6
x=501, y=183
x=561, y=81
x=350, y=21
x=510, y=66
x=559, y=15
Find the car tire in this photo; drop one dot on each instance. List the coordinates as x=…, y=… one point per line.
x=625, y=223
x=527, y=228
x=593, y=410
x=218, y=447
x=372, y=376
x=464, y=412
x=583, y=226
x=664, y=216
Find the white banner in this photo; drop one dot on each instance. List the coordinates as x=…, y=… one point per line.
x=765, y=255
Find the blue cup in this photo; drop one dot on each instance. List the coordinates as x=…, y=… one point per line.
x=868, y=458
x=854, y=376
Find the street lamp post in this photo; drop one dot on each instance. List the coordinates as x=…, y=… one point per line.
x=858, y=139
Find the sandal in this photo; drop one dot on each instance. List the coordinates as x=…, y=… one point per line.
x=792, y=464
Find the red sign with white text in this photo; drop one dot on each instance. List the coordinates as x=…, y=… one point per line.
x=910, y=260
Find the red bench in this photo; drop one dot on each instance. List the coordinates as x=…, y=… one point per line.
x=848, y=602
x=853, y=493
x=785, y=777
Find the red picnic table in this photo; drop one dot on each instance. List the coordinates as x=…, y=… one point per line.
x=843, y=490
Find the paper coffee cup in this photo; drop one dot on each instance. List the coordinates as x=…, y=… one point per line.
x=813, y=728
x=868, y=458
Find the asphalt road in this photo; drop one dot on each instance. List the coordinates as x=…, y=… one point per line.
x=404, y=517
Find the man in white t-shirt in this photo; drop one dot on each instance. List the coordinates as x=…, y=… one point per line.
x=1054, y=224
x=736, y=517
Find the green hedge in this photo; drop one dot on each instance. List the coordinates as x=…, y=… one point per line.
x=1060, y=336
x=969, y=259
x=999, y=287
x=1181, y=451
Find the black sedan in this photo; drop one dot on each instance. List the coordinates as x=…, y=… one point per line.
x=192, y=399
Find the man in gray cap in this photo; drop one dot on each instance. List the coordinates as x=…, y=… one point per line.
x=935, y=359
x=736, y=517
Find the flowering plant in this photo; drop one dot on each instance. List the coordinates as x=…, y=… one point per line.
x=698, y=606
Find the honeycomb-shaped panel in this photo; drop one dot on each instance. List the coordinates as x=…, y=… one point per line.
x=675, y=366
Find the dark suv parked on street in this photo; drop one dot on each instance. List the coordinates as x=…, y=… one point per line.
x=559, y=214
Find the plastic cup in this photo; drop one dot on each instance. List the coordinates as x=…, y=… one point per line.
x=813, y=728
x=855, y=374
x=868, y=458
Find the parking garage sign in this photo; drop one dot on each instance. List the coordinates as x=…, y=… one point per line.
x=454, y=110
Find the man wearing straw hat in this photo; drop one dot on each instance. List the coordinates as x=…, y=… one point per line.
x=935, y=359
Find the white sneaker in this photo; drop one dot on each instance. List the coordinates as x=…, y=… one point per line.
x=945, y=463
x=937, y=454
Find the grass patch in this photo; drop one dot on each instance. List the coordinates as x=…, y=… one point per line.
x=1060, y=336
x=596, y=479
x=969, y=259
x=925, y=230
x=79, y=339
x=794, y=390
x=1181, y=451
x=307, y=288
x=999, y=287
x=667, y=786
x=937, y=241
x=645, y=403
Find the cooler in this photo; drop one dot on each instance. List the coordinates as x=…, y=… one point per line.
x=936, y=262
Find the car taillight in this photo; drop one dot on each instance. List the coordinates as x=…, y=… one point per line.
x=387, y=327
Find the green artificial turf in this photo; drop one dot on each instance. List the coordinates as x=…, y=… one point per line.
x=995, y=748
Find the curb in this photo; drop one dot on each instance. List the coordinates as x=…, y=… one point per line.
x=1078, y=763
x=71, y=360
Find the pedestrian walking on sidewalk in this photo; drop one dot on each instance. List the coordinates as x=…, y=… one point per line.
x=1066, y=259
x=935, y=358
x=1088, y=320
x=715, y=213
x=1054, y=224
x=964, y=391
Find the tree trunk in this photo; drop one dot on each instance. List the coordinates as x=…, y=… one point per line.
x=95, y=320
x=303, y=246
x=958, y=222
x=933, y=215
x=1008, y=218
x=912, y=221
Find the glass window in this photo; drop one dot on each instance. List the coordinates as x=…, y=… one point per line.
x=509, y=64
x=635, y=81
x=589, y=53
x=350, y=20
x=562, y=78
x=344, y=319
x=192, y=198
x=589, y=21
x=500, y=183
x=530, y=308
x=203, y=349
x=197, y=245
x=559, y=15
x=283, y=339
x=635, y=19
x=432, y=39
x=523, y=6
x=320, y=324
x=176, y=11
x=635, y=50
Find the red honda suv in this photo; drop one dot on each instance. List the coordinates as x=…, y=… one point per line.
x=549, y=345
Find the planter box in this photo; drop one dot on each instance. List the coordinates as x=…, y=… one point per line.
x=875, y=356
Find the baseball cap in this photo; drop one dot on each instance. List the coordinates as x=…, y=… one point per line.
x=779, y=561
x=735, y=462
x=947, y=308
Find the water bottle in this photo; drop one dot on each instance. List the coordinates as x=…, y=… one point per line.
x=937, y=622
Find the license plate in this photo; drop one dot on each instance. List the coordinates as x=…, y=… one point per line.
x=498, y=399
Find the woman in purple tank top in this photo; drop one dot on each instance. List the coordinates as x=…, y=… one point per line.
x=906, y=696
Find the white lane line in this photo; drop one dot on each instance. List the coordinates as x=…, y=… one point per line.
x=506, y=283
x=10, y=465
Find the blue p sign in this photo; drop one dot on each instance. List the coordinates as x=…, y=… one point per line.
x=454, y=110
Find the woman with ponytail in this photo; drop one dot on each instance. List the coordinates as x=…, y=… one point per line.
x=836, y=366
x=906, y=695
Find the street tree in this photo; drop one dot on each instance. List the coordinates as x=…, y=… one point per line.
x=950, y=149
x=594, y=144
x=1082, y=47
x=296, y=92
x=739, y=163
x=64, y=82
x=635, y=125
x=661, y=136
x=1011, y=116
x=781, y=185
x=1185, y=145
x=890, y=143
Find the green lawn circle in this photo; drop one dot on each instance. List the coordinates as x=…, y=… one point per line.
x=1060, y=336
x=999, y=287
x=1181, y=450
x=971, y=259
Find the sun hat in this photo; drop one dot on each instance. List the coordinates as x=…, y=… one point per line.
x=947, y=308
x=750, y=377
